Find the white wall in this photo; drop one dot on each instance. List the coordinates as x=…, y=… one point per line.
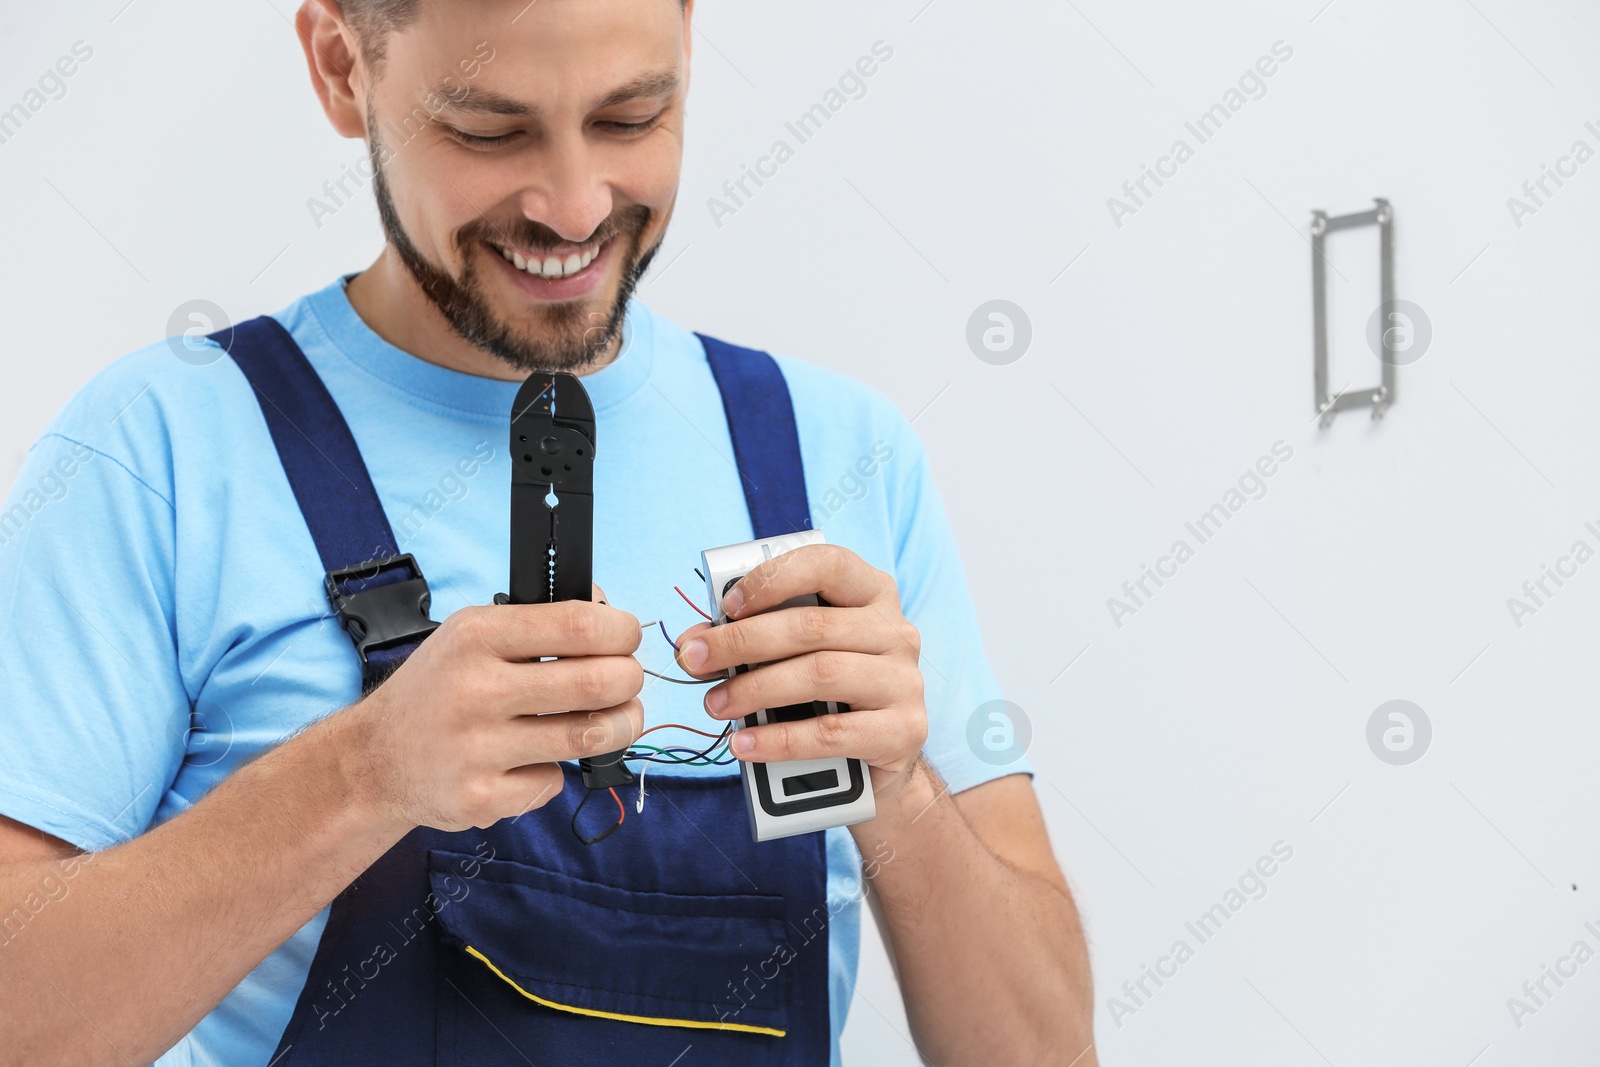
x=1230, y=712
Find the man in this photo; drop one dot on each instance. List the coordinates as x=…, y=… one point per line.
x=191, y=775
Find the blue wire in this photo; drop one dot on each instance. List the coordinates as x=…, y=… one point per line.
x=670, y=641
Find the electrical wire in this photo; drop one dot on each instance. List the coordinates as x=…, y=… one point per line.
x=662, y=750
x=717, y=740
x=680, y=681
x=691, y=729
x=693, y=605
x=667, y=677
x=622, y=813
x=692, y=758
x=716, y=755
x=680, y=754
x=709, y=756
x=720, y=758
x=665, y=755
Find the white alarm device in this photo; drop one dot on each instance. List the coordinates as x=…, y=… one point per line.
x=796, y=796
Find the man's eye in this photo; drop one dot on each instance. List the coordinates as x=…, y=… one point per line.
x=632, y=127
x=480, y=141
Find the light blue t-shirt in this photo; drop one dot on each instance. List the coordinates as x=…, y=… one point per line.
x=163, y=615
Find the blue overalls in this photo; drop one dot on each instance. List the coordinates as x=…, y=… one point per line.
x=691, y=944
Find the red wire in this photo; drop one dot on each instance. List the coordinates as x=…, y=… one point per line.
x=674, y=725
x=693, y=605
x=622, y=812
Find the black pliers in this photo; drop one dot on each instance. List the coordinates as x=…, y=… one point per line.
x=552, y=512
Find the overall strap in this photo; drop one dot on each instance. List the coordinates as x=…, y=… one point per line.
x=379, y=594
x=766, y=444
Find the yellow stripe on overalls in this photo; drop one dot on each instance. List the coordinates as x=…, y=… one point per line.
x=647, y=1019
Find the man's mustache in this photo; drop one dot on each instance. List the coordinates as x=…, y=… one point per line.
x=535, y=236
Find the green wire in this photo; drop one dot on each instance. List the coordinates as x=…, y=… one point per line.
x=661, y=753
x=664, y=754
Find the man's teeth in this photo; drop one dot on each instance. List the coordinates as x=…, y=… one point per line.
x=552, y=266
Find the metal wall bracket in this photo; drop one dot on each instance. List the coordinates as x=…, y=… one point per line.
x=1381, y=397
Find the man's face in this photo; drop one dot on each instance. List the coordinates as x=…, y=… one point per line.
x=549, y=133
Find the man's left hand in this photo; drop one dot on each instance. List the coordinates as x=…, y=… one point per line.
x=857, y=649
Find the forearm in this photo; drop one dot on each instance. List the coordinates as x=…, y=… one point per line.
x=990, y=959
x=150, y=935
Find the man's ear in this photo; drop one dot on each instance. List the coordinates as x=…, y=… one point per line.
x=331, y=56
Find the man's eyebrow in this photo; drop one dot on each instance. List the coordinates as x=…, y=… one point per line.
x=645, y=86
x=487, y=101
x=483, y=101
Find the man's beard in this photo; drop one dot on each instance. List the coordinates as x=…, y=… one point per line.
x=576, y=337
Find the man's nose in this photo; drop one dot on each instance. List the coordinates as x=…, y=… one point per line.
x=569, y=194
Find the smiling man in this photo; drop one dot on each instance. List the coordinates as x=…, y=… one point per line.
x=230, y=834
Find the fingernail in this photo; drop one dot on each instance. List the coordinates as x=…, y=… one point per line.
x=716, y=699
x=743, y=742
x=733, y=602
x=694, y=654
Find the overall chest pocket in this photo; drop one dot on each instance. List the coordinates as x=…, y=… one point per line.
x=538, y=966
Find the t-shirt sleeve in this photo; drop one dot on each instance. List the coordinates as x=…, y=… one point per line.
x=972, y=735
x=93, y=710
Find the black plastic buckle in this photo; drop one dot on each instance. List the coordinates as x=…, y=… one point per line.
x=382, y=616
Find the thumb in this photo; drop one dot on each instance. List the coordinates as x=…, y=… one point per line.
x=597, y=594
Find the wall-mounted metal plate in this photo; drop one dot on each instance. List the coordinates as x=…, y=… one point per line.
x=1381, y=397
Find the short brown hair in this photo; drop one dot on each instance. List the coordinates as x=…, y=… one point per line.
x=374, y=20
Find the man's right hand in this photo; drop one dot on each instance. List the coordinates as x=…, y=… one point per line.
x=469, y=730
x=466, y=732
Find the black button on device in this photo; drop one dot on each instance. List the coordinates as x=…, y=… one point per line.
x=814, y=782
